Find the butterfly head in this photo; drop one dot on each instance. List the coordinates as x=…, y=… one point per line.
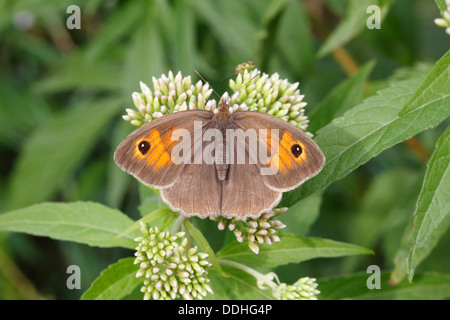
x=224, y=104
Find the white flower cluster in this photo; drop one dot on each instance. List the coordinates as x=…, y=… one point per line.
x=255, y=231
x=170, y=269
x=444, y=22
x=170, y=94
x=253, y=90
x=256, y=91
x=302, y=289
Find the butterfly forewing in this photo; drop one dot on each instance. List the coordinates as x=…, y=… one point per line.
x=289, y=157
x=147, y=153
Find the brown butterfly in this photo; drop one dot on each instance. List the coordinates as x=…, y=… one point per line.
x=213, y=164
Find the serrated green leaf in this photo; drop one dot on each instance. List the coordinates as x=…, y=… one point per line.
x=55, y=150
x=385, y=205
x=291, y=249
x=115, y=282
x=368, y=129
x=425, y=287
x=405, y=248
x=84, y=222
x=435, y=87
x=432, y=216
x=353, y=23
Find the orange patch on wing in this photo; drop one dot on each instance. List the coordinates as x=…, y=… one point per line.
x=287, y=142
x=157, y=156
x=283, y=160
x=163, y=160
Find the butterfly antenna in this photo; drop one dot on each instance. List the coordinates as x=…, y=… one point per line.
x=206, y=83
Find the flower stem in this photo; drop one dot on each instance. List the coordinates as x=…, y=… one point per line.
x=259, y=276
x=177, y=224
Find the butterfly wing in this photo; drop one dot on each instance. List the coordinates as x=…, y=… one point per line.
x=244, y=194
x=197, y=192
x=148, y=152
x=290, y=157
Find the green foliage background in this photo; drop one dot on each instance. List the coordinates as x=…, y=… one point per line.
x=62, y=93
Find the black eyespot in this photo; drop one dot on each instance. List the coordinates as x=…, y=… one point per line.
x=144, y=146
x=296, y=150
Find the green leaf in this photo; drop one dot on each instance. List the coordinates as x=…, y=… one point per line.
x=291, y=249
x=218, y=285
x=402, y=259
x=83, y=222
x=429, y=286
x=432, y=215
x=354, y=22
x=385, y=207
x=204, y=245
x=55, y=150
x=243, y=285
x=435, y=87
x=342, y=98
x=115, y=282
x=368, y=129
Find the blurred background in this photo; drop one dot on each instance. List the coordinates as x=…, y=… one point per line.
x=63, y=91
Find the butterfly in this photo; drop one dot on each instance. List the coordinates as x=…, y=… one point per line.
x=232, y=164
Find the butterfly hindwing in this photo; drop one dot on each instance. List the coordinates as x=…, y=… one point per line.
x=197, y=190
